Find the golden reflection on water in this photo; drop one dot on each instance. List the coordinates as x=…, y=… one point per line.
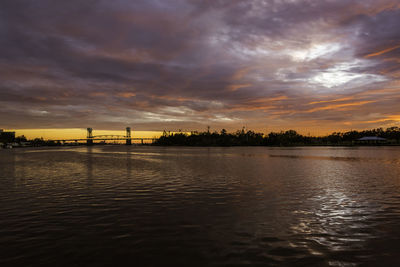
x=89, y=165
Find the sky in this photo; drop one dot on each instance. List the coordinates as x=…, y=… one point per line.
x=312, y=66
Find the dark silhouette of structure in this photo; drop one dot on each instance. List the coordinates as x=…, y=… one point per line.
x=128, y=136
x=90, y=138
x=379, y=136
x=371, y=140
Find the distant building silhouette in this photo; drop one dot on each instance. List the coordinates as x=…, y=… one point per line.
x=371, y=140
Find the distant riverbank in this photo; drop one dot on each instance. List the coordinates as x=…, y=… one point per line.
x=376, y=137
x=290, y=138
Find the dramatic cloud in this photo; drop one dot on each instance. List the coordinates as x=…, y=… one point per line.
x=313, y=66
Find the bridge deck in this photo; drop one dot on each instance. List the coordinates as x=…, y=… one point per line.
x=101, y=139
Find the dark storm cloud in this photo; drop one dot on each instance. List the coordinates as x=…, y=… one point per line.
x=159, y=64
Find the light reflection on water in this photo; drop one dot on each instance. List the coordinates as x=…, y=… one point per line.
x=154, y=206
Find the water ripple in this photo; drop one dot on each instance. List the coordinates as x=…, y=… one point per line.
x=150, y=206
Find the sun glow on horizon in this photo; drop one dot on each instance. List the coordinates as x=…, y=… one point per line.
x=78, y=133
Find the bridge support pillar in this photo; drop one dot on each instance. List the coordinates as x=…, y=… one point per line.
x=89, y=139
x=128, y=136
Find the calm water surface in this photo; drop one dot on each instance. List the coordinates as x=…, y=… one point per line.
x=155, y=206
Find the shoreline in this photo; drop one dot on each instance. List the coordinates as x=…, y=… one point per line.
x=209, y=146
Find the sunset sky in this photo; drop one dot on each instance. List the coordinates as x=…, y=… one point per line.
x=312, y=66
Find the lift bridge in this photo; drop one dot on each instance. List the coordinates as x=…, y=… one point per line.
x=90, y=138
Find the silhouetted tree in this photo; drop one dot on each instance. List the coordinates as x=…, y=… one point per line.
x=283, y=138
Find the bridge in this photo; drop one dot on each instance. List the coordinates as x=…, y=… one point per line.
x=91, y=138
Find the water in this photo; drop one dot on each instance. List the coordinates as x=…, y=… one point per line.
x=156, y=206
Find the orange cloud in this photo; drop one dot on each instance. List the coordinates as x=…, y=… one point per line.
x=173, y=98
x=126, y=94
x=383, y=91
x=339, y=106
x=270, y=99
x=333, y=100
x=241, y=73
x=235, y=87
x=265, y=103
x=373, y=10
x=382, y=52
x=388, y=118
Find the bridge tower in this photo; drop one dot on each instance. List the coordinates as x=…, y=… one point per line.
x=89, y=138
x=128, y=136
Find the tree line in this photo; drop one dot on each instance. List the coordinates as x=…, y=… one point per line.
x=22, y=140
x=284, y=138
x=245, y=137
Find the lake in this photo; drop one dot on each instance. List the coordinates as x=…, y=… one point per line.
x=181, y=206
